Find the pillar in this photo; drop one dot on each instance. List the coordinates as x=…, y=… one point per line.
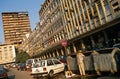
x=74, y=48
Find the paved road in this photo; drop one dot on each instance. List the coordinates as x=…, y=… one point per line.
x=15, y=74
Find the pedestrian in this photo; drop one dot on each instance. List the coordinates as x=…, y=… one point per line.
x=69, y=63
x=95, y=53
x=80, y=62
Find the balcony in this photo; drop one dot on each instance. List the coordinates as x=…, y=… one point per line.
x=54, y=33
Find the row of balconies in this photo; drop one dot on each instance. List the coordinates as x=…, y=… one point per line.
x=87, y=20
x=91, y=16
x=95, y=16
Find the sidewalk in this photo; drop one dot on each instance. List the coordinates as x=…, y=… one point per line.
x=78, y=76
x=93, y=76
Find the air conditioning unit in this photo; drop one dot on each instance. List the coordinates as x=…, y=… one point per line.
x=71, y=10
x=76, y=28
x=48, y=12
x=68, y=19
x=66, y=9
x=86, y=20
x=95, y=15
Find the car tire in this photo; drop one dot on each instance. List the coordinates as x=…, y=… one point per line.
x=66, y=68
x=50, y=75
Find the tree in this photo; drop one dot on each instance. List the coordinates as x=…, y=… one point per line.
x=22, y=57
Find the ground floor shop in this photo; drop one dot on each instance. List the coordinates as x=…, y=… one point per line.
x=104, y=36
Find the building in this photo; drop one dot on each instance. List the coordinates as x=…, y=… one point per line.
x=85, y=24
x=32, y=41
x=25, y=44
x=7, y=54
x=16, y=25
x=91, y=24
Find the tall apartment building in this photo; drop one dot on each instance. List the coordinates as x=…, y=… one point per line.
x=16, y=25
x=85, y=24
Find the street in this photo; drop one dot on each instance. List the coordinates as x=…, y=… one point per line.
x=15, y=74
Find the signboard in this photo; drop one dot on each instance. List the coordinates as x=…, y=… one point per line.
x=64, y=42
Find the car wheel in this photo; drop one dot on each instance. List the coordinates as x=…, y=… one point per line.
x=50, y=75
x=65, y=68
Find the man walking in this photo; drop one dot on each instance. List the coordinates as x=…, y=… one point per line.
x=80, y=58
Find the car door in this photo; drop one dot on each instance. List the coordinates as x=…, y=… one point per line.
x=50, y=65
x=59, y=67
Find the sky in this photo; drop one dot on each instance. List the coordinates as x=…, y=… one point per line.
x=32, y=6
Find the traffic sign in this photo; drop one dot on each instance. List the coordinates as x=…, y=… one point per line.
x=64, y=42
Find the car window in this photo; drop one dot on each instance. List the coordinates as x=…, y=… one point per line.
x=39, y=64
x=29, y=61
x=35, y=60
x=49, y=63
x=42, y=63
x=56, y=62
x=36, y=65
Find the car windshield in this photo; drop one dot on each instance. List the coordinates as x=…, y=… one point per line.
x=29, y=61
x=39, y=64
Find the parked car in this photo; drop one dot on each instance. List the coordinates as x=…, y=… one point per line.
x=47, y=67
x=1, y=66
x=32, y=61
x=3, y=74
x=21, y=66
x=29, y=63
x=5, y=67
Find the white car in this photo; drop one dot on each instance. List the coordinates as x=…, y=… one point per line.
x=47, y=67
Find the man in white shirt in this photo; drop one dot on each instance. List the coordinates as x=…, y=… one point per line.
x=80, y=58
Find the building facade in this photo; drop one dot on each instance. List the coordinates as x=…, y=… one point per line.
x=7, y=54
x=16, y=25
x=85, y=24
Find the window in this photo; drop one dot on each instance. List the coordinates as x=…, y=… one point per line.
x=5, y=47
x=10, y=47
x=49, y=63
x=42, y=63
x=56, y=62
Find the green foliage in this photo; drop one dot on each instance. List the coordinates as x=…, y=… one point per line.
x=22, y=57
